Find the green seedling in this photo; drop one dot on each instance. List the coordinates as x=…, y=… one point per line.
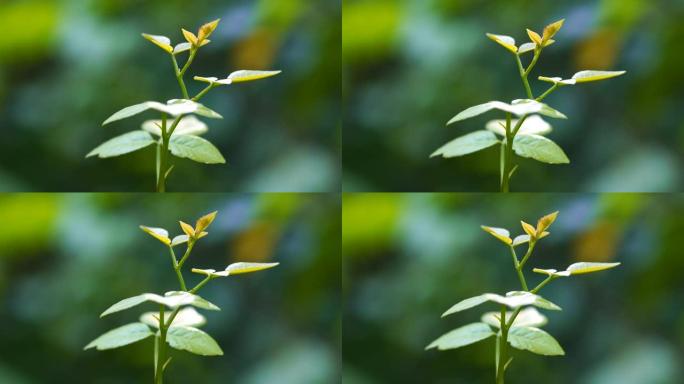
x=176, y=322
x=177, y=132
x=518, y=322
x=522, y=130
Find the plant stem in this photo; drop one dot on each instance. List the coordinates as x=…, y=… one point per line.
x=523, y=76
x=543, y=283
x=179, y=77
x=506, y=155
x=159, y=372
x=162, y=156
x=201, y=284
x=191, y=244
x=530, y=248
x=176, y=268
x=548, y=92
x=518, y=268
x=203, y=92
x=503, y=340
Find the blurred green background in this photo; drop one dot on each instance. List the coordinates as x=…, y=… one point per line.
x=411, y=65
x=65, y=66
x=65, y=258
x=408, y=258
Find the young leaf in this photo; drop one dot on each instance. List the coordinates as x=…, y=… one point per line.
x=162, y=42
x=539, y=148
x=236, y=269
x=551, y=272
x=121, y=145
x=533, y=125
x=195, y=148
x=528, y=317
x=160, y=234
x=557, y=80
x=193, y=340
x=173, y=299
x=518, y=107
x=187, y=228
x=586, y=76
x=206, y=30
x=529, y=229
x=183, y=47
x=534, y=340
x=186, y=317
x=545, y=222
x=189, y=36
x=205, y=221
x=249, y=75
x=551, y=29
x=534, y=37
x=505, y=41
x=500, y=233
x=521, y=239
x=514, y=299
x=466, y=144
x=585, y=267
x=460, y=337
x=189, y=125
x=527, y=47
x=180, y=239
x=213, y=80
x=118, y=337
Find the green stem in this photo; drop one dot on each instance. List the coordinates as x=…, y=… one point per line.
x=161, y=352
x=503, y=340
x=204, y=92
x=201, y=284
x=530, y=248
x=176, y=268
x=543, y=283
x=507, y=156
x=523, y=76
x=548, y=92
x=179, y=77
x=162, y=157
x=191, y=58
x=191, y=244
x=518, y=268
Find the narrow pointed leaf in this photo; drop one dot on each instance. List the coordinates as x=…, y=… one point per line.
x=545, y=222
x=460, y=337
x=505, y=41
x=249, y=75
x=534, y=37
x=586, y=76
x=539, y=148
x=557, y=80
x=534, y=340
x=162, y=42
x=500, y=233
x=466, y=144
x=529, y=228
x=193, y=340
x=160, y=234
x=581, y=268
x=195, y=148
x=121, y=145
x=205, y=221
x=235, y=269
x=551, y=30
x=118, y=337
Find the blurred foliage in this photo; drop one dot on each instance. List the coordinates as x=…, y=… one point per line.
x=411, y=65
x=428, y=252
x=65, y=66
x=66, y=258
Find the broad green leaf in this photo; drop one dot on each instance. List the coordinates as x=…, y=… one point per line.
x=533, y=125
x=173, y=299
x=118, y=337
x=174, y=107
x=527, y=47
x=235, y=269
x=186, y=317
x=460, y=337
x=586, y=76
x=193, y=340
x=539, y=148
x=528, y=317
x=249, y=75
x=195, y=148
x=505, y=41
x=463, y=145
x=585, y=267
x=534, y=340
x=518, y=107
x=514, y=299
x=120, y=145
x=500, y=233
x=189, y=125
x=577, y=269
x=521, y=239
x=160, y=234
x=162, y=42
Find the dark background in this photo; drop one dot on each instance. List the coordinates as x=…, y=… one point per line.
x=408, y=258
x=66, y=258
x=65, y=66
x=411, y=65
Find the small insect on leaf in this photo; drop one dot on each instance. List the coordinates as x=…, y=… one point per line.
x=551, y=29
x=204, y=222
x=160, y=234
x=534, y=37
x=505, y=41
x=162, y=42
x=500, y=233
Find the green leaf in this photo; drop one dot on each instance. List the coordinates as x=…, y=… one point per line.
x=505, y=41
x=521, y=239
x=175, y=107
x=527, y=47
x=180, y=239
x=514, y=299
x=236, y=269
x=118, y=337
x=577, y=269
x=557, y=80
x=500, y=233
x=533, y=125
x=472, y=142
x=162, y=42
x=534, y=340
x=120, y=145
x=186, y=317
x=249, y=75
x=460, y=337
x=172, y=299
x=189, y=125
x=160, y=234
x=528, y=317
x=539, y=148
x=193, y=340
x=195, y=148
x=586, y=76
x=518, y=107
